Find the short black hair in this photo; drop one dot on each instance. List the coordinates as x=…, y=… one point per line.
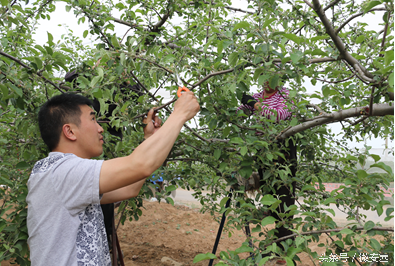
x=57, y=111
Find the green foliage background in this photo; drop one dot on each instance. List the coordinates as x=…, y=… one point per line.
x=219, y=56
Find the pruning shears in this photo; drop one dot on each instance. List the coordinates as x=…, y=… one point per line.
x=181, y=87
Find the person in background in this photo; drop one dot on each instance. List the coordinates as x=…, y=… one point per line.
x=65, y=190
x=273, y=102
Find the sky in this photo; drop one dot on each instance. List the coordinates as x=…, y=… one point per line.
x=61, y=21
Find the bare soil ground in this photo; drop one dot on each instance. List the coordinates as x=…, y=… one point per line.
x=174, y=235
x=167, y=235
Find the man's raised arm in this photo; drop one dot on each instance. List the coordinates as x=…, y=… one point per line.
x=150, y=155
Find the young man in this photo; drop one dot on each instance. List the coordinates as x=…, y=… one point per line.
x=65, y=221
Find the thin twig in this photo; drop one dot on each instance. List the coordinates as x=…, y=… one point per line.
x=355, y=16
x=388, y=229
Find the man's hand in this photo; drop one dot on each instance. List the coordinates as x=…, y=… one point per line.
x=187, y=105
x=153, y=123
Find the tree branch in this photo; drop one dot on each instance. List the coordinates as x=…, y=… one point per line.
x=309, y=4
x=212, y=75
x=315, y=60
x=39, y=9
x=117, y=20
x=331, y=4
x=228, y=7
x=378, y=110
x=385, y=33
x=316, y=107
x=389, y=229
x=339, y=43
x=337, y=81
x=355, y=16
x=29, y=68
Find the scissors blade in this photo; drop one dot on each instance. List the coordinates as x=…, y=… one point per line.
x=178, y=79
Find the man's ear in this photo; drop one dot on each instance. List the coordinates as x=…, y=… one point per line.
x=68, y=131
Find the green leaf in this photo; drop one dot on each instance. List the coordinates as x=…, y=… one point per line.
x=223, y=201
x=388, y=57
x=170, y=58
x=268, y=200
x=360, y=39
x=389, y=211
x=375, y=157
x=299, y=240
x=391, y=82
x=2, y=227
x=114, y=41
x=243, y=150
x=262, y=79
x=293, y=122
x=296, y=56
x=4, y=2
x=220, y=47
x=94, y=81
x=170, y=200
x=328, y=201
x=170, y=188
x=339, y=243
x=217, y=154
x=289, y=261
x=17, y=90
x=361, y=174
x=233, y=57
x=268, y=22
x=326, y=91
x=237, y=140
x=22, y=165
x=207, y=256
x=291, y=252
x=371, y=5
x=50, y=38
x=268, y=220
x=232, y=88
x=379, y=209
x=226, y=131
x=100, y=71
x=242, y=24
x=375, y=244
x=123, y=58
x=383, y=166
x=319, y=52
x=346, y=231
x=292, y=37
x=369, y=225
x=4, y=181
x=256, y=229
x=308, y=187
x=245, y=171
x=274, y=81
x=85, y=34
x=243, y=249
x=38, y=62
x=263, y=261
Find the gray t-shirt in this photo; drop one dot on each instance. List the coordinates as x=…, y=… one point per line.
x=65, y=221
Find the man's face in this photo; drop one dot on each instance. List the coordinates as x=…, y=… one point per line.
x=89, y=136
